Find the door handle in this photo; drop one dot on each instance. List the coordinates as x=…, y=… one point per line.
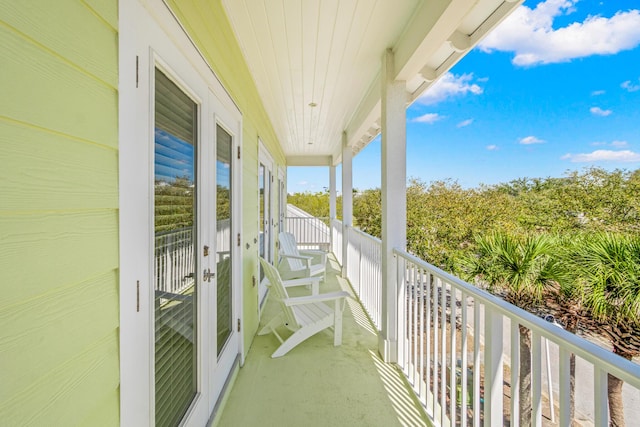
x=207, y=275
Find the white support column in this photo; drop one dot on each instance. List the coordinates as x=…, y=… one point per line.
x=347, y=200
x=332, y=203
x=332, y=193
x=394, y=200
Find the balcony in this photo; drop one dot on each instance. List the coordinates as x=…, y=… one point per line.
x=443, y=375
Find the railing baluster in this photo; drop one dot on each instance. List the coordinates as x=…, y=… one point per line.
x=421, y=366
x=452, y=356
x=536, y=379
x=515, y=374
x=427, y=316
x=493, y=365
x=476, y=363
x=443, y=351
x=436, y=361
x=600, y=402
x=564, y=397
x=464, y=362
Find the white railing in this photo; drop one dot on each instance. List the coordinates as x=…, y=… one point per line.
x=457, y=344
x=310, y=232
x=364, y=271
x=459, y=373
x=336, y=239
x=174, y=258
x=174, y=262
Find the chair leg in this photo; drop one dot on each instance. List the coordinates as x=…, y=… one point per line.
x=337, y=324
x=273, y=323
x=299, y=336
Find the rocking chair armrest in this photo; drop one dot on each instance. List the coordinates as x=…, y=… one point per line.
x=321, y=254
x=313, y=281
x=312, y=252
x=301, y=282
x=306, y=259
x=330, y=296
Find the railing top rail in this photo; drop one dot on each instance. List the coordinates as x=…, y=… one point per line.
x=364, y=235
x=307, y=217
x=624, y=369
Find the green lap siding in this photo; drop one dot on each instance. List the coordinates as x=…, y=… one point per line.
x=208, y=26
x=59, y=362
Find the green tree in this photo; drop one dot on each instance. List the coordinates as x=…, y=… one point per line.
x=608, y=268
x=519, y=270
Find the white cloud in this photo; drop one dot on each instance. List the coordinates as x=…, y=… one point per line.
x=492, y=147
x=529, y=33
x=617, y=144
x=448, y=86
x=464, y=123
x=429, y=118
x=597, y=92
x=626, y=156
x=528, y=140
x=303, y=183
x=597, y=111
x=630, y=87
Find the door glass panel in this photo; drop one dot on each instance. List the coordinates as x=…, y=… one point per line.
x=261, y=189
x=175, y=239
x=224, y=239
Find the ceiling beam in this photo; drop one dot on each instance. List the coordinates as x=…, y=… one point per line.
x=429, y=29
x=309, y=161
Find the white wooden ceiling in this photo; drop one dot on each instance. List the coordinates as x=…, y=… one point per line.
x=316, y=63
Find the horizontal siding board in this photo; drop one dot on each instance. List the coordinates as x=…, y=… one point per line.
x=65, y=395
x=103, y=412
x=32, y=329
x=49, y=93
x=107, y=9
x=47, y=250
x=44, y=171
x=41, y=21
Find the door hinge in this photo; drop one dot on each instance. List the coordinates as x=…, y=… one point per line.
x=238, y=239
x=137, y=68
x=238, y=325
x=238, y=152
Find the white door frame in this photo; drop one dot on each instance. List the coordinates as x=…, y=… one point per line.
x=265, y=158
x=143, y=43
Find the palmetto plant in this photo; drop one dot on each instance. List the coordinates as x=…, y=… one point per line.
x=608, y=269
x=520, y=270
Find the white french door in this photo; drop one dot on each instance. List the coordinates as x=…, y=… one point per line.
x=266, y=222
x=185, y=323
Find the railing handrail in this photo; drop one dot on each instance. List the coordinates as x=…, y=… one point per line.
x=622, y=368
x=361, y=233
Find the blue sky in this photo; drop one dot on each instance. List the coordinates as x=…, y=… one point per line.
x=555, y=87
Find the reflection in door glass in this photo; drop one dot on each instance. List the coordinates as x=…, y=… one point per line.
x=224, y=239
x=175, y=264
x=261, y=245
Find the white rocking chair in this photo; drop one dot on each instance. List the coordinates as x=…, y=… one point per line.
x=299, y=264
x=306, y=315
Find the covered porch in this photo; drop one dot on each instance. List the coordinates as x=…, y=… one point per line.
x=441, y=322
x=317, y=383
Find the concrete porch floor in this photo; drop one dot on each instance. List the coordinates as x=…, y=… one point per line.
x=317, y=384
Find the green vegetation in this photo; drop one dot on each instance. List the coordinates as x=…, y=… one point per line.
x=567, y=246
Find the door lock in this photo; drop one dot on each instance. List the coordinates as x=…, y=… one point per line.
x=207, y=275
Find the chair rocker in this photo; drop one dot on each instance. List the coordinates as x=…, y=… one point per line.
x=296, y=264
x=305, y=316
